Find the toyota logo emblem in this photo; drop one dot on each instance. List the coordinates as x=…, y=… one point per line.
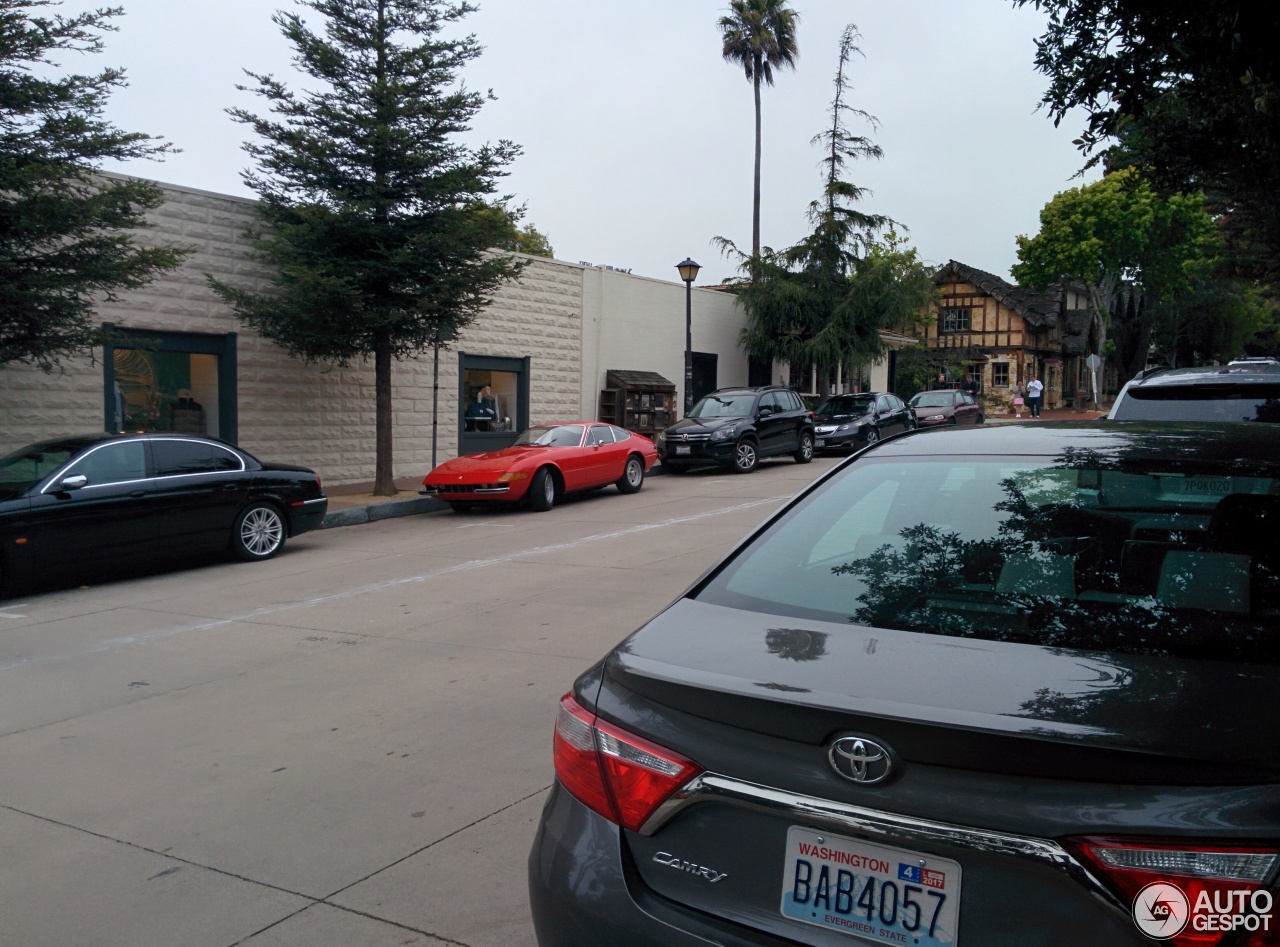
x=860, y=760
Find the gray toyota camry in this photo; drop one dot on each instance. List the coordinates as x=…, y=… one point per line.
x=1011, y=686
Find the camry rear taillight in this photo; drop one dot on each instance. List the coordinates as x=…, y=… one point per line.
x=621, y=776
x=1190, y=895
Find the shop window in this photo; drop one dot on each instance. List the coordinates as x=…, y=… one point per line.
x=492, y=400
x=170, y=381
x=1000, y=375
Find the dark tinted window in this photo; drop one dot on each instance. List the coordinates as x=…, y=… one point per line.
x=111, y=463
x=1202, y=402
x=797, y=403
x=1168, y=559
x=191, y=457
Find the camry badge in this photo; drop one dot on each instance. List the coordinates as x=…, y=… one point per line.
x=678, y=863
x=860, y=760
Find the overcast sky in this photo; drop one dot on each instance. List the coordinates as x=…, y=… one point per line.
x=637, y=135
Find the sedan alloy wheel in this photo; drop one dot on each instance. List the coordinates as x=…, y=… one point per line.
x=259, y=532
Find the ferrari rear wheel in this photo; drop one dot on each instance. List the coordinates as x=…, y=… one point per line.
x=542, y=492
x=632, y=478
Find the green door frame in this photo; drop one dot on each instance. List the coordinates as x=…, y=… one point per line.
x=156, y=340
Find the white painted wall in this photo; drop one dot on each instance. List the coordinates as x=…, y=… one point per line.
x=633, y=323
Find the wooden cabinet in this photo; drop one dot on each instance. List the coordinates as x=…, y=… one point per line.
x=643, y=402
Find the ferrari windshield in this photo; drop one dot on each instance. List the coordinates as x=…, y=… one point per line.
x=552, y=435
x=853, y=404
x=724, y=406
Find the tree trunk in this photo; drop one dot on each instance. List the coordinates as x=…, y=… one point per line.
x=755, y=205
x=384, y=484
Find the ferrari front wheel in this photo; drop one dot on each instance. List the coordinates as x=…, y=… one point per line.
x=542, y=492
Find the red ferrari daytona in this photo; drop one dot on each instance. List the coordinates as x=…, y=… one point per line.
x=546, y=462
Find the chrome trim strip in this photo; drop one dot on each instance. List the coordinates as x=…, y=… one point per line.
x=490, y=490
x=316, y=500
x=889, y=827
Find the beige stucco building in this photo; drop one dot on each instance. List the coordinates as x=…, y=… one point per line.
x=183, y=361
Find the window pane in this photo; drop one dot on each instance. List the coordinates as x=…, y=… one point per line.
x=165, y=391
x=491, y=400
x=189, y=457
x=112, y=463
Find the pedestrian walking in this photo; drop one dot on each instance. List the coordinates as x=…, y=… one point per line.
x=1035, y=391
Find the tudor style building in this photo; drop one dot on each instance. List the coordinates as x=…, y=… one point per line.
x=1004, y=334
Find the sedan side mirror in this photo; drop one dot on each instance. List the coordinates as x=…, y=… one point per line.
x=73, y=483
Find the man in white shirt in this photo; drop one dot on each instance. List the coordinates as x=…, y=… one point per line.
x=1034, y=390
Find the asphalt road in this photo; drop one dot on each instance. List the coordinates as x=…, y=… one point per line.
x=348, y=745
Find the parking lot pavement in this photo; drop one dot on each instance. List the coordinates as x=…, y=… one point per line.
x=346, y=745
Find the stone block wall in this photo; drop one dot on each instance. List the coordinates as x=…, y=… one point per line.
x=319, y=415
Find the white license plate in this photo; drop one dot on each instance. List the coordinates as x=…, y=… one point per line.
x=683, y=450
x=1202, y=486
x=886, y=895
x=820, y=442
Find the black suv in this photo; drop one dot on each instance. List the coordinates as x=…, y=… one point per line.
x=738, y=426
x=1245, y=390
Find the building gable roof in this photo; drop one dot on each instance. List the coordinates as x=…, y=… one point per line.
x=1039, y=309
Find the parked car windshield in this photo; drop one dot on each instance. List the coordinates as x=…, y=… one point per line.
x=551, y=435
x=851, y=404
x=1225, y=402
x=24, y=468
x=1068, y=552
x=724, y=406
x=933, y=399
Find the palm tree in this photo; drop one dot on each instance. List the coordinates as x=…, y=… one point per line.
x=759, y=35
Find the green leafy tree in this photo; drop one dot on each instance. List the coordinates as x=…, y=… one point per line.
x=66, y=233
x=530, y=240
x=1118, y=230
x=825, y=300
x=1187, y=91
x=759, y=36
x=376, y=219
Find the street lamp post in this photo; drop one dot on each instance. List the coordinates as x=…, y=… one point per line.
x=443, y=334
x=688, y=272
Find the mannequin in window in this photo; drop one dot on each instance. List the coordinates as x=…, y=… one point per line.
x=482, y=414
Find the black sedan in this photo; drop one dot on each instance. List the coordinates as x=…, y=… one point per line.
x=848, y=422
x=1011, y=686
x=79, y=503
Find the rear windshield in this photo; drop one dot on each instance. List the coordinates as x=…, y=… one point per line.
x=1207, y=402
x=858, y=404
x=1175, y=560
x=935, y=399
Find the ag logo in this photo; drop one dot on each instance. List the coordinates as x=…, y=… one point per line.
x=1161, y=910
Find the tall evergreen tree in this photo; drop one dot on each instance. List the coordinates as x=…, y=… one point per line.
x=66, y=233
x=377, y=220
x=760, y=36
x=824, y=300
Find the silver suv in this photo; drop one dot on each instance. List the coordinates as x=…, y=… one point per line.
x=1245, y=390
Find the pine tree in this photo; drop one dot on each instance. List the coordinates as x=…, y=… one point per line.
x=377, y=220
x=66, y=233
